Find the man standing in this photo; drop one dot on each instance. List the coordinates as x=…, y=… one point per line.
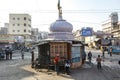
x=67, y=67
x=22, y=53
x=89, y=56
x=99, y=62
x=103, y=53
x=83, y=57
x=56, y=62
x=7, y=53
x=110, y=51
x=10, y=52
x=32, y=59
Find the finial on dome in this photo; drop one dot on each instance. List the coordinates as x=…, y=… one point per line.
x=59, y=10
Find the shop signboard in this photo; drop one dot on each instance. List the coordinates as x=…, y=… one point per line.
x=86, y=32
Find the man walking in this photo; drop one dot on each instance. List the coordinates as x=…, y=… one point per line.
x=99, y=62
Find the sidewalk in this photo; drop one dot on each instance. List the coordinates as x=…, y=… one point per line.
x=87, y=72
x=43, y=74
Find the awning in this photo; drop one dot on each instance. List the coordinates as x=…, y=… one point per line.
x=96, y=39
x=41, y=43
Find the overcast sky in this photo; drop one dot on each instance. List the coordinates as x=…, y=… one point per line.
x=80, y=13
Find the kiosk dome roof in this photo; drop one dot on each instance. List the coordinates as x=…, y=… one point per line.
x=61, y=26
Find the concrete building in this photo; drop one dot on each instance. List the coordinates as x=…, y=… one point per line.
x=112, y=25
x=4, y=30
x=37, y=35
x=77, y=36
x=20, y=24
x=34, y=34
x=42, y=35
x=93, y=41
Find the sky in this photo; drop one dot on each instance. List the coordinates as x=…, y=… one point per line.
x=80, y=13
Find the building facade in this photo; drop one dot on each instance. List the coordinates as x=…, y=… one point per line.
x=37, y=35
x=3, y=30
x=34, y=34
x=77, y=36
x=112, y=25
x=19, y=24
x=42, y=35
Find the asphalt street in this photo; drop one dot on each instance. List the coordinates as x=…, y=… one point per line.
x=18, y=69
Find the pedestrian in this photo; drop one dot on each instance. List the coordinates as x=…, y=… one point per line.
x=111, y=51
x=2, y=54
x=10, y=52
x=89, y=56
x=7, y=53
x=22, y=53
x=99, y=62
x=83, y=57
x=67, y=67
x=103, y=53
x=32, y=59
x=36, y=64
x=56, y=62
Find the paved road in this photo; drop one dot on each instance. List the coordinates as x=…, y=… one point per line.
x=18, y=69
x=93, y=74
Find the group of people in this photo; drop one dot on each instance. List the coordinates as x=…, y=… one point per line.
x=6, y=53
x=66, y=65
x=98, y=59
x=109, y=52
